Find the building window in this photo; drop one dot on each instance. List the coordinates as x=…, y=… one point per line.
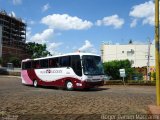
x=132, y=62
x=122, y=51
x=130, y=53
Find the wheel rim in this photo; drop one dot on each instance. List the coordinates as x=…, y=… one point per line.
x=69, y=85
x=35, y=83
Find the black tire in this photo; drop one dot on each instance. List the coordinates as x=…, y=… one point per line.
x=69, y=85
x=35, y=83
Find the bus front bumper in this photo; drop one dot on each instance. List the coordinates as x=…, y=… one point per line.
x=86, y=84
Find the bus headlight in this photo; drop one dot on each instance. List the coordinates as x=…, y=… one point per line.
x=78, y=84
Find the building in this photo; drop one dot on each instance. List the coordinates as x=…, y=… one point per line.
x=137, y=54
x=12, y=37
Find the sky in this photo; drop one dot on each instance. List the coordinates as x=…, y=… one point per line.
x=84, y=25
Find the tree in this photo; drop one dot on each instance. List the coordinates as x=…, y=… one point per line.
x=37, y=50
x=1, y=61
x=153, y=75
x=130, y=41
x=112, y=68
x=16, y=61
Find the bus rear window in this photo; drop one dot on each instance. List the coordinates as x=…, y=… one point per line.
x=26, y=65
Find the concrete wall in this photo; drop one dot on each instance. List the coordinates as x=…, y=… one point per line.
x=137, y=54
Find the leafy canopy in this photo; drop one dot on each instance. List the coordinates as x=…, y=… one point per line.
x=112, y=68
x=37, y=50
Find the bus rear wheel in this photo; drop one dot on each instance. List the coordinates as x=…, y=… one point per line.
x=35, y=83
x=69, y=85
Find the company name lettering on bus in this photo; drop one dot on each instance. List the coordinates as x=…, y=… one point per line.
x=50, y=71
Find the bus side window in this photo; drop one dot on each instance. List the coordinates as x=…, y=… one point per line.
x=65, y=61
x=36, y=64
x=76, y=65
x=53, y=63
x=44, y=63
x=27, y=65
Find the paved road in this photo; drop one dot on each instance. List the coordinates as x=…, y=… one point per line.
x=19, y=99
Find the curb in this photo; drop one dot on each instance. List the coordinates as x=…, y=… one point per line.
x=10, y=76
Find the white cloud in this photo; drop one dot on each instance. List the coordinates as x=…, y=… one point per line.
x=23, y=21
x=134, y=23
x=28, y=34
x=74, y=48
x=51, y=47
x=66, y=22
x=139, y=42
x=17, y=2
x=99, y=22
x=113, y=20
x=29, y=28
x=12, y=14
x=153, y=41
x=67, y=47
x=45, y=7
x=144, y=11
x=42, y=37
x=87, y=47
x=31, y=22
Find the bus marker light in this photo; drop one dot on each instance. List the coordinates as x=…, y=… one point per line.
x=79, y=84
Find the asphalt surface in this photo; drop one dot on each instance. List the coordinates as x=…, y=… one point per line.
x=26, y=102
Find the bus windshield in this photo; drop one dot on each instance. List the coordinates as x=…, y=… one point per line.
x=92, y=65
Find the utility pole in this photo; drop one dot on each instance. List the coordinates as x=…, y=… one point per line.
x=148, y=61
x=0, y=41
x=157, y=52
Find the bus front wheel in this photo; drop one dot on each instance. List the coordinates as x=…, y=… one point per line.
x=35, y=83
x=69, y=85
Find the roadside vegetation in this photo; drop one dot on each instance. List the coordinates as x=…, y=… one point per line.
x=133, y=77
x=37, y=50
x=1, y=61
x=11, y=59
x=112, y=69
x=15, y=61
x=131, y=82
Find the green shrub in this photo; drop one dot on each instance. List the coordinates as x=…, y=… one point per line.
x=153, y=75
x=142, y=82
x=112, y=68
x=16, y=61
x=137, y=76
x=1, y=61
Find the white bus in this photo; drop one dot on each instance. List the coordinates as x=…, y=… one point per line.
x=74, y=70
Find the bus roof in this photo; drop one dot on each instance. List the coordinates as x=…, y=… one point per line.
x=76, y=53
